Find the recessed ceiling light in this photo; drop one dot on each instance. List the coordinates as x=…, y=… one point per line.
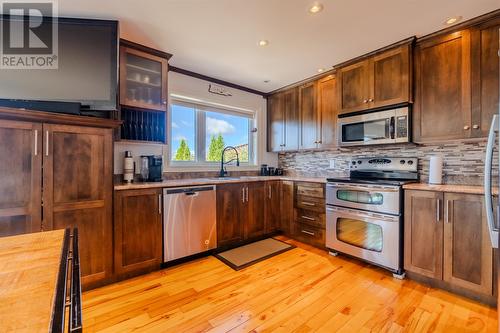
x=321, y=70
x=315, y=8
x=453, y=20
x=266, y=81
x=263, y=42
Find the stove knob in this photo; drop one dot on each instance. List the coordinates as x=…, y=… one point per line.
x=402, y=162
x=410, y=162
x=353, y=162
x=359, y=162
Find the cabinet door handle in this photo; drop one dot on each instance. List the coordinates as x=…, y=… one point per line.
x=308, y=232
x=447, y=212
x=159, y=204
x=36, y=142
x=308, y=203
x=308, y=218
x=247, y=193
x=270, y=192
x=365, y=101
x=466, y=127
x=438, y=210
x=475, y=126
x=371, y=100
x=46, y=143
x=243, y=194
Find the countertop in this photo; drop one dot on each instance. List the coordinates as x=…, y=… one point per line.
x=469, y=189
x=29, y=265
x=212, y=181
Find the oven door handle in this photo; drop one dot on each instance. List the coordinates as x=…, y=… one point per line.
x=340, y=186
x=366, y=215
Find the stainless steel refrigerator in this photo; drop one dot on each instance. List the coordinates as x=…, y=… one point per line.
x=492, y=203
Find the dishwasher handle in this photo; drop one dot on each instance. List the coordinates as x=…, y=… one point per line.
x=188, y=190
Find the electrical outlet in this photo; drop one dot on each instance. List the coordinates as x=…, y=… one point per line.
x=332, y=164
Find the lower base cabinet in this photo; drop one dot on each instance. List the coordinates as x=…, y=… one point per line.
x=447, y=240
x=138, y=232
x=309, y=214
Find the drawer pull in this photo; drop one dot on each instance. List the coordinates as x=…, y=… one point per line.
x=308, y=203
x=308, y=218
x=307, y=232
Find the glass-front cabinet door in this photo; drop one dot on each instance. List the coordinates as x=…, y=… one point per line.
x=143, y=79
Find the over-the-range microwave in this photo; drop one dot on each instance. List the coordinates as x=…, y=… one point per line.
x=378, y=127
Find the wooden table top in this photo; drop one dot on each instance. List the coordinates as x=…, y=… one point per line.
x=29, y=265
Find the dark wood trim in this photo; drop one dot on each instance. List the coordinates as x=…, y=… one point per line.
x=56, y=118
x=214, y=80
x=406, y=41
x=304, y=81
x=464, y=25
x=144, y=48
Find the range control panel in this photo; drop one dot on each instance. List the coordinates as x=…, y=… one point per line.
x=384, y=164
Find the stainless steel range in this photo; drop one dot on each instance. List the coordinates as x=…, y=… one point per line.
x=364, y=212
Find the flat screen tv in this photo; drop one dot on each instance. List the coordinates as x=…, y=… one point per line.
x=87, y=70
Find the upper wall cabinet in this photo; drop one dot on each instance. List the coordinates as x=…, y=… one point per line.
x=143, y=79
x=442, y=108
x=457, y=84
x=380, y=80
x=283, y=121
x=327, y=111
x=308, y=115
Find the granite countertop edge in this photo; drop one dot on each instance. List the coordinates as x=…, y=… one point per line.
x=212, y=181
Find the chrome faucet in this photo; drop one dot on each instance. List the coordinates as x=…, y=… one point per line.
x=223, y=172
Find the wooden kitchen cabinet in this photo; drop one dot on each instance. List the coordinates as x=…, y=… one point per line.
x=254, y=213
x=283, y=121
x=272, y=206
x=276, y=123
x=287, y=199
x=442, y=109
x=143, y=77
x=20, y=177
x=354, y=87
x=446, y=239
x=485, y=43
x=327, y=112
x=468, y=255
x=423, y=225
x=309, y=218
x=230, y=215
x=77, y=193
x=380, y=80
x=138, y=232
x=308, y=115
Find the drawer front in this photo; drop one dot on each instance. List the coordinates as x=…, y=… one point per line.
x=310, y=203
x=311, y=190
x=311, y=218
x=310, y=235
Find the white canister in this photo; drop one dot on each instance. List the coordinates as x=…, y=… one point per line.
x=436, y=170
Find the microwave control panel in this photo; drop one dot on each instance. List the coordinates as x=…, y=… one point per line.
x=401, y=126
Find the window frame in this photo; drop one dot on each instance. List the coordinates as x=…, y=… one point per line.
x=201, y=110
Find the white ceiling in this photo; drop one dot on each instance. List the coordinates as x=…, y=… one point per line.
x=219, y=38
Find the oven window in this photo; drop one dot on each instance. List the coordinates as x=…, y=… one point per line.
x=361, y=197
x=366, y=131
x=361, y=234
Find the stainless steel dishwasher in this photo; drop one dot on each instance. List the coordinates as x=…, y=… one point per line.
x=189, y=221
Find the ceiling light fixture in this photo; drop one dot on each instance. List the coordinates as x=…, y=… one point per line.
x=453, y=20
x=316, y=8
x=263, y=42
x=266, y=81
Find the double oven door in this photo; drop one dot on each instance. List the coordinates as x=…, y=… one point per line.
x=365, y=222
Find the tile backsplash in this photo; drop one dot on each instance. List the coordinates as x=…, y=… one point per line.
x=463, y=161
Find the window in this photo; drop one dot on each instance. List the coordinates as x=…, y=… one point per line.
x=200, y=133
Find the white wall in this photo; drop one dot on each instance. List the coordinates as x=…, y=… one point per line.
x=194, y=88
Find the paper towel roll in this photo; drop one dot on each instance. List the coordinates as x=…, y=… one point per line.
x=436, y=170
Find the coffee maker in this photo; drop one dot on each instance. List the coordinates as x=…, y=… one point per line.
x=155, y=168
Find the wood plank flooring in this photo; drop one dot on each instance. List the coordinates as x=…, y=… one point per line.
x=302, y=290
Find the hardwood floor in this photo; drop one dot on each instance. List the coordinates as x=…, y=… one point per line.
x=302, y=290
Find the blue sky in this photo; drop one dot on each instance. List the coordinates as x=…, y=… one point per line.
x=234, y=129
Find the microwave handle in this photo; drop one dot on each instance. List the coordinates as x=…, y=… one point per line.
x=392, y=127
